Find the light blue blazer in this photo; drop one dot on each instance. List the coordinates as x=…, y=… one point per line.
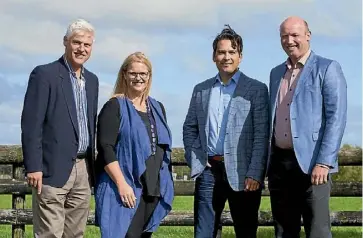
x=318, y=111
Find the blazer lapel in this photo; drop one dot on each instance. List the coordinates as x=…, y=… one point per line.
x=206, y=95
x=205, y=103
x=89, y=97
x=305, y=73
x=237, y=97
x=69, y=95
x=276, y=84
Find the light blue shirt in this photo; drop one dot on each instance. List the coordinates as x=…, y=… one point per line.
x=219, y=102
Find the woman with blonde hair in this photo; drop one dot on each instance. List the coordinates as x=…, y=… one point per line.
x=134, y=188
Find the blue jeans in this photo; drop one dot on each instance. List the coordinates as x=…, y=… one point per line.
x=212, y=190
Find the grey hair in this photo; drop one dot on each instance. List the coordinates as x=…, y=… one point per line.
x=79, y=25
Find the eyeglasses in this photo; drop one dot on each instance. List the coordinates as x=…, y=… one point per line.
x=133, y=75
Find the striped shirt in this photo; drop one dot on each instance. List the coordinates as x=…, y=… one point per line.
x=79, y=92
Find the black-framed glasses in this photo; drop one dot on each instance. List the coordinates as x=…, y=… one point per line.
x=133, y=75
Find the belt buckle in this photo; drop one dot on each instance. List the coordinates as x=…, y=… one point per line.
x=218, y=158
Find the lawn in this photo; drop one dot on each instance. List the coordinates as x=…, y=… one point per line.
x=186, y=204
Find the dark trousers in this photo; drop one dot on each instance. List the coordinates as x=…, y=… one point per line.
x=293, y=196
x=143, y=213
x=211, y=193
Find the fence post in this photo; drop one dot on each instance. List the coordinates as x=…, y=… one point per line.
x=18, y=201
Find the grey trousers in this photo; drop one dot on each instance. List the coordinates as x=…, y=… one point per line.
x=62, y=212
x=294, y=197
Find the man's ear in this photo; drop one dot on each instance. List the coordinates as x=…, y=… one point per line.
x=65, y=40
x=308, y=34
x=214, y=57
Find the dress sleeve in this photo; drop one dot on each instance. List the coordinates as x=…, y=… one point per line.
x=107, y=132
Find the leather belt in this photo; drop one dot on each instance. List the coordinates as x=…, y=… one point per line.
x=217, y=157
x=81, y=155
x=284, y=152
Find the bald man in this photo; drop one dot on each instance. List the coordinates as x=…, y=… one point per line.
x=308, y=99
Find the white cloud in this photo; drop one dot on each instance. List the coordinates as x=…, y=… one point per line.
x=186, y=11
x=31, y=36
x=123, y=26
x=170, y=31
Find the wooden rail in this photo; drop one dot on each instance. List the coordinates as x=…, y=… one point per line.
x=186, y=188
x=184, y=218
x=12, y=182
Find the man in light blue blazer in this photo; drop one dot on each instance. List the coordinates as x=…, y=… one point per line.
x=308, y=105
x=225, y=136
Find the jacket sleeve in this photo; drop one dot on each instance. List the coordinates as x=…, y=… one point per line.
x=190, y=128
x=32, y=119
x=334, y=91
x=260, y=115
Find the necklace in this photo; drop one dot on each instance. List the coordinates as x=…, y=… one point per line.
x=152, y=127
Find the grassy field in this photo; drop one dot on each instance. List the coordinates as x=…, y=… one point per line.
x=186, y=204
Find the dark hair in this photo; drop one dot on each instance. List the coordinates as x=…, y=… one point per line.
x=229, y=34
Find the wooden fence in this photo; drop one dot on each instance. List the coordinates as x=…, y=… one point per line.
x=12, y=182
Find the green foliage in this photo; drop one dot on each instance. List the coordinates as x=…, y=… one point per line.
x=348, y=173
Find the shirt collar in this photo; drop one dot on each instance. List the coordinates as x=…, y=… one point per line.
x=301, y=61
x=69, y=67
x=234, y=78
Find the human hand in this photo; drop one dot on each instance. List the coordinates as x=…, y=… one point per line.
x=35, y=180
x=127, y=195
x=319, y=174
x=251, y=185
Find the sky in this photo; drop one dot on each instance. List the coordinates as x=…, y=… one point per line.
x=177, y=37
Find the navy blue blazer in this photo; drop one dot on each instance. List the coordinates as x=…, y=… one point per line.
x=49, y=123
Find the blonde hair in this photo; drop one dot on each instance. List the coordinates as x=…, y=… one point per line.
x=121, y=88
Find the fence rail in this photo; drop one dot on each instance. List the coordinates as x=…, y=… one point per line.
x=12, y=182
x=184, y=218
x=186, y=188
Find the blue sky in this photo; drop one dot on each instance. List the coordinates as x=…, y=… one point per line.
x=177, y=36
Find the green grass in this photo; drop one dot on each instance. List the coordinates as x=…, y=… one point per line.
x=186, y=232
x=186, y=204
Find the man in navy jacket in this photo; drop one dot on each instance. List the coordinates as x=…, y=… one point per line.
x=58, y=131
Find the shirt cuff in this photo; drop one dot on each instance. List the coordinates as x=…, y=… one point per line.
x=323, y=166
